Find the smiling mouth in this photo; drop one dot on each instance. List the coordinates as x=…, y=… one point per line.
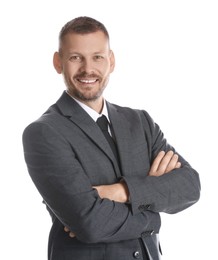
x=87, y=81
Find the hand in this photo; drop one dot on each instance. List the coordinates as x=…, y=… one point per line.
x=71, y=234
x=117, y=192
x=164, y=163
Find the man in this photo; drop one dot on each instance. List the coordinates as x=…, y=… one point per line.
x=104, y=205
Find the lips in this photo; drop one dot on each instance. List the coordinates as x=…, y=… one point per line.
x=87, y=81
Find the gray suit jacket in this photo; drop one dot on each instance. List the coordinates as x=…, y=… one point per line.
x=66, y=154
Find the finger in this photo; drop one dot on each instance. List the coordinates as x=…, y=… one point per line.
x=165, y=162
x=156, y=162
x=71, y=234
x=66, y=229
x=178, y=165
x=172, y=163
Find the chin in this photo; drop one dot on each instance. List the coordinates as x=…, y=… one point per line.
x=90, y=96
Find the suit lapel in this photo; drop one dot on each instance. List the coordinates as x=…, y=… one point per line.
x=71, y=109
x=121, y=128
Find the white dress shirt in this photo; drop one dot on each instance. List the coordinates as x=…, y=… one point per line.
x=93, y=114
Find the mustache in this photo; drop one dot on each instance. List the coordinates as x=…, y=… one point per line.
x=86, y=75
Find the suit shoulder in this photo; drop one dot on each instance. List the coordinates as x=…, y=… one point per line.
x=51, y=113
x=133, y=112
x=46, y=119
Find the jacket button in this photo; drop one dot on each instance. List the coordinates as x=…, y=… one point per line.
x=136, y=254
x=147, y=233
x=144, y=207
x=148, y=206
x=140, y=208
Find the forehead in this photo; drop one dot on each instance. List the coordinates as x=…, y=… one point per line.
x=85, y=43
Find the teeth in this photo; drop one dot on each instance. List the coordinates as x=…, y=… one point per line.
x=87, y=81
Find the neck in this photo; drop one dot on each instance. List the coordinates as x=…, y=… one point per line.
x=96, y=105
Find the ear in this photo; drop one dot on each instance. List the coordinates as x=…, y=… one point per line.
x=112, y=61
x=57, y=62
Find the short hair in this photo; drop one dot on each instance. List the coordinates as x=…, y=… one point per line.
x=82, y=25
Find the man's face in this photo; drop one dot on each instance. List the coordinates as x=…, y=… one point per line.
x=86, y=62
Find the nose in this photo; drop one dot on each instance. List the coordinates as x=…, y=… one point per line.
x=87, y=66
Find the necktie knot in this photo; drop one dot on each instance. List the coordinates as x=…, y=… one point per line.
x=103, y=123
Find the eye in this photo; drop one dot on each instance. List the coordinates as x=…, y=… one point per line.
x=75, y=58
x=98, y=57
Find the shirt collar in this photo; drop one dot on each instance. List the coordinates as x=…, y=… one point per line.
x=92, y=113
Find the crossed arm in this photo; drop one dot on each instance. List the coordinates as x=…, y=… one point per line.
x=162, y=164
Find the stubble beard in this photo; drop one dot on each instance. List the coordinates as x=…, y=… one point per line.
x=86, y=96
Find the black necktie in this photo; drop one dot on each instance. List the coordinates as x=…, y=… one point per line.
x=103, y=124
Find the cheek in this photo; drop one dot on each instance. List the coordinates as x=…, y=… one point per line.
x=105, y=69
x=69, y=70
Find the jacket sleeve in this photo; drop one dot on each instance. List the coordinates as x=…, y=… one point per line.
x=67, y=191
x=169, y=193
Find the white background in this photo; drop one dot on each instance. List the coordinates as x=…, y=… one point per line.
x=166, y=62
